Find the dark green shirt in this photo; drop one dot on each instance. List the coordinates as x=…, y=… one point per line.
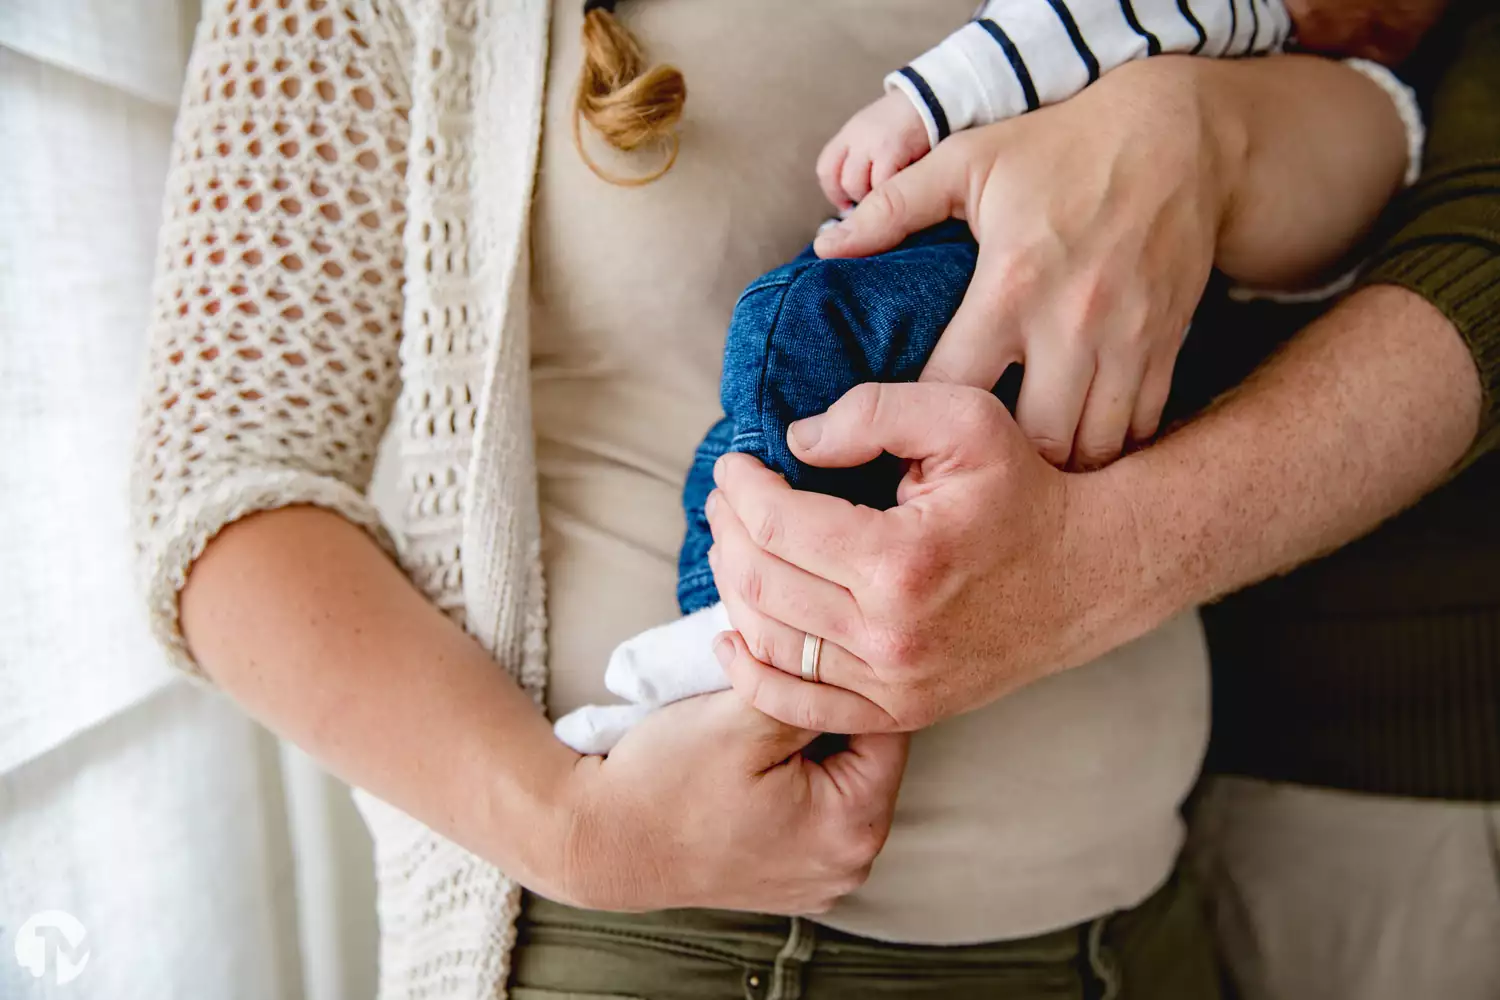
x=1377, y=668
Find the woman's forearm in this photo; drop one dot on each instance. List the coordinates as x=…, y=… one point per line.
x=1360, y=416
x=1310, y=150
x=301, y=618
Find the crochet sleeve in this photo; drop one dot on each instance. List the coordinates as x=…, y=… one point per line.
x=272, y=361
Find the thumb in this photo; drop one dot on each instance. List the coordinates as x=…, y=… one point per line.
x=766, y=742
x=924, y=194
x=918, y=421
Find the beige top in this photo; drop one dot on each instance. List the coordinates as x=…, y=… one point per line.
x=1044, y=810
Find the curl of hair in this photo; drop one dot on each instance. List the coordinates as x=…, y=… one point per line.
x=628, y=103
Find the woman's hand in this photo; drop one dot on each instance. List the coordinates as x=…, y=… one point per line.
x=711, y=803
x=995, y=568
x=1096, y=220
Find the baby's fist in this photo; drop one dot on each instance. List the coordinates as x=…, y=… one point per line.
x=879, y=140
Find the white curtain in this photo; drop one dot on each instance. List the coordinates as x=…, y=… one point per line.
x=202, y=859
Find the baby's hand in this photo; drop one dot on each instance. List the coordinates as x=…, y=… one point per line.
x=872, y=146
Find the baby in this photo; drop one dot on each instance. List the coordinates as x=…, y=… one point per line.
x=804, y=334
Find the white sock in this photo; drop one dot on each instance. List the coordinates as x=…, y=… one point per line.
x=661, y=665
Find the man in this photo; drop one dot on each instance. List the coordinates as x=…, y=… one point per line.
x=1351, y=845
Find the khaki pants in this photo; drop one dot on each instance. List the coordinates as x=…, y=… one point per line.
x=1324, y=895
x=1160, y=950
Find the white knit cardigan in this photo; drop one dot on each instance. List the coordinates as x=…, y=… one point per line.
x=342, y=258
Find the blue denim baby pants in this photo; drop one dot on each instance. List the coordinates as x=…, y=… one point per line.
x=801, y=337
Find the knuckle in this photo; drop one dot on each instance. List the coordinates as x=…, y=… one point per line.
x=1018, y=278
x=1137, y=326
x=760, y=645
x=1094, y=455
x=1049, y=444
x=765, y=528
x=896, y=646
x=751, y=585
x=1094, y=304
x=815, y=717
x=864, y=842
x=908, y=573
x=862, y=402
x=889, y=202
x=917, y=713
x=977, y=414
x=890, y=153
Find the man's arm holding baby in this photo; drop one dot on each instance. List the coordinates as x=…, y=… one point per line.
x=1099, y=220
x=1363, y=413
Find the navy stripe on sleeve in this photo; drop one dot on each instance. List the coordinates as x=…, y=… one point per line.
x=1071, y=26
x=1234, y=26
x=1195, y=24
x=1153, y=44
x=1254, y=27
x=1023, y=75
x=939, y=116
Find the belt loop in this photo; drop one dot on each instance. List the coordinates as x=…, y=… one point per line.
x=786, y=975
x=1099, y=963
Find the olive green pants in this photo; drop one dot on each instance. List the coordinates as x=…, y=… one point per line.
x=1161, y=950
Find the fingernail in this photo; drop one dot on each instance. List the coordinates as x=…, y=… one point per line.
x=723, y=650
x=805, y=433
x=711, y=503
x=719, y=470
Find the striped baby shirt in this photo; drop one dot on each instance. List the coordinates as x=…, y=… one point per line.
x=1018, y=55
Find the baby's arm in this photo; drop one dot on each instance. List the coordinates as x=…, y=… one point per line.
x=1300, y=211
x=1018, y=55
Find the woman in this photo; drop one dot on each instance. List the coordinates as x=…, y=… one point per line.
x=348, y=256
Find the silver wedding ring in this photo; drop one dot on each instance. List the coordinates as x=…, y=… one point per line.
x=812, y=657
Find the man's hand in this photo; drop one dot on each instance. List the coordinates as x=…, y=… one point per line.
x=994, y=569
x=1098, y=220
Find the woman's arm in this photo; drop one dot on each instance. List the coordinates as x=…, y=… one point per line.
x=272, y=365
x=1100, y=218
x=273, y=369
x=302, y=619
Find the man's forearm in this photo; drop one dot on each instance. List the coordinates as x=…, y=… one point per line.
x=1357, y=418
